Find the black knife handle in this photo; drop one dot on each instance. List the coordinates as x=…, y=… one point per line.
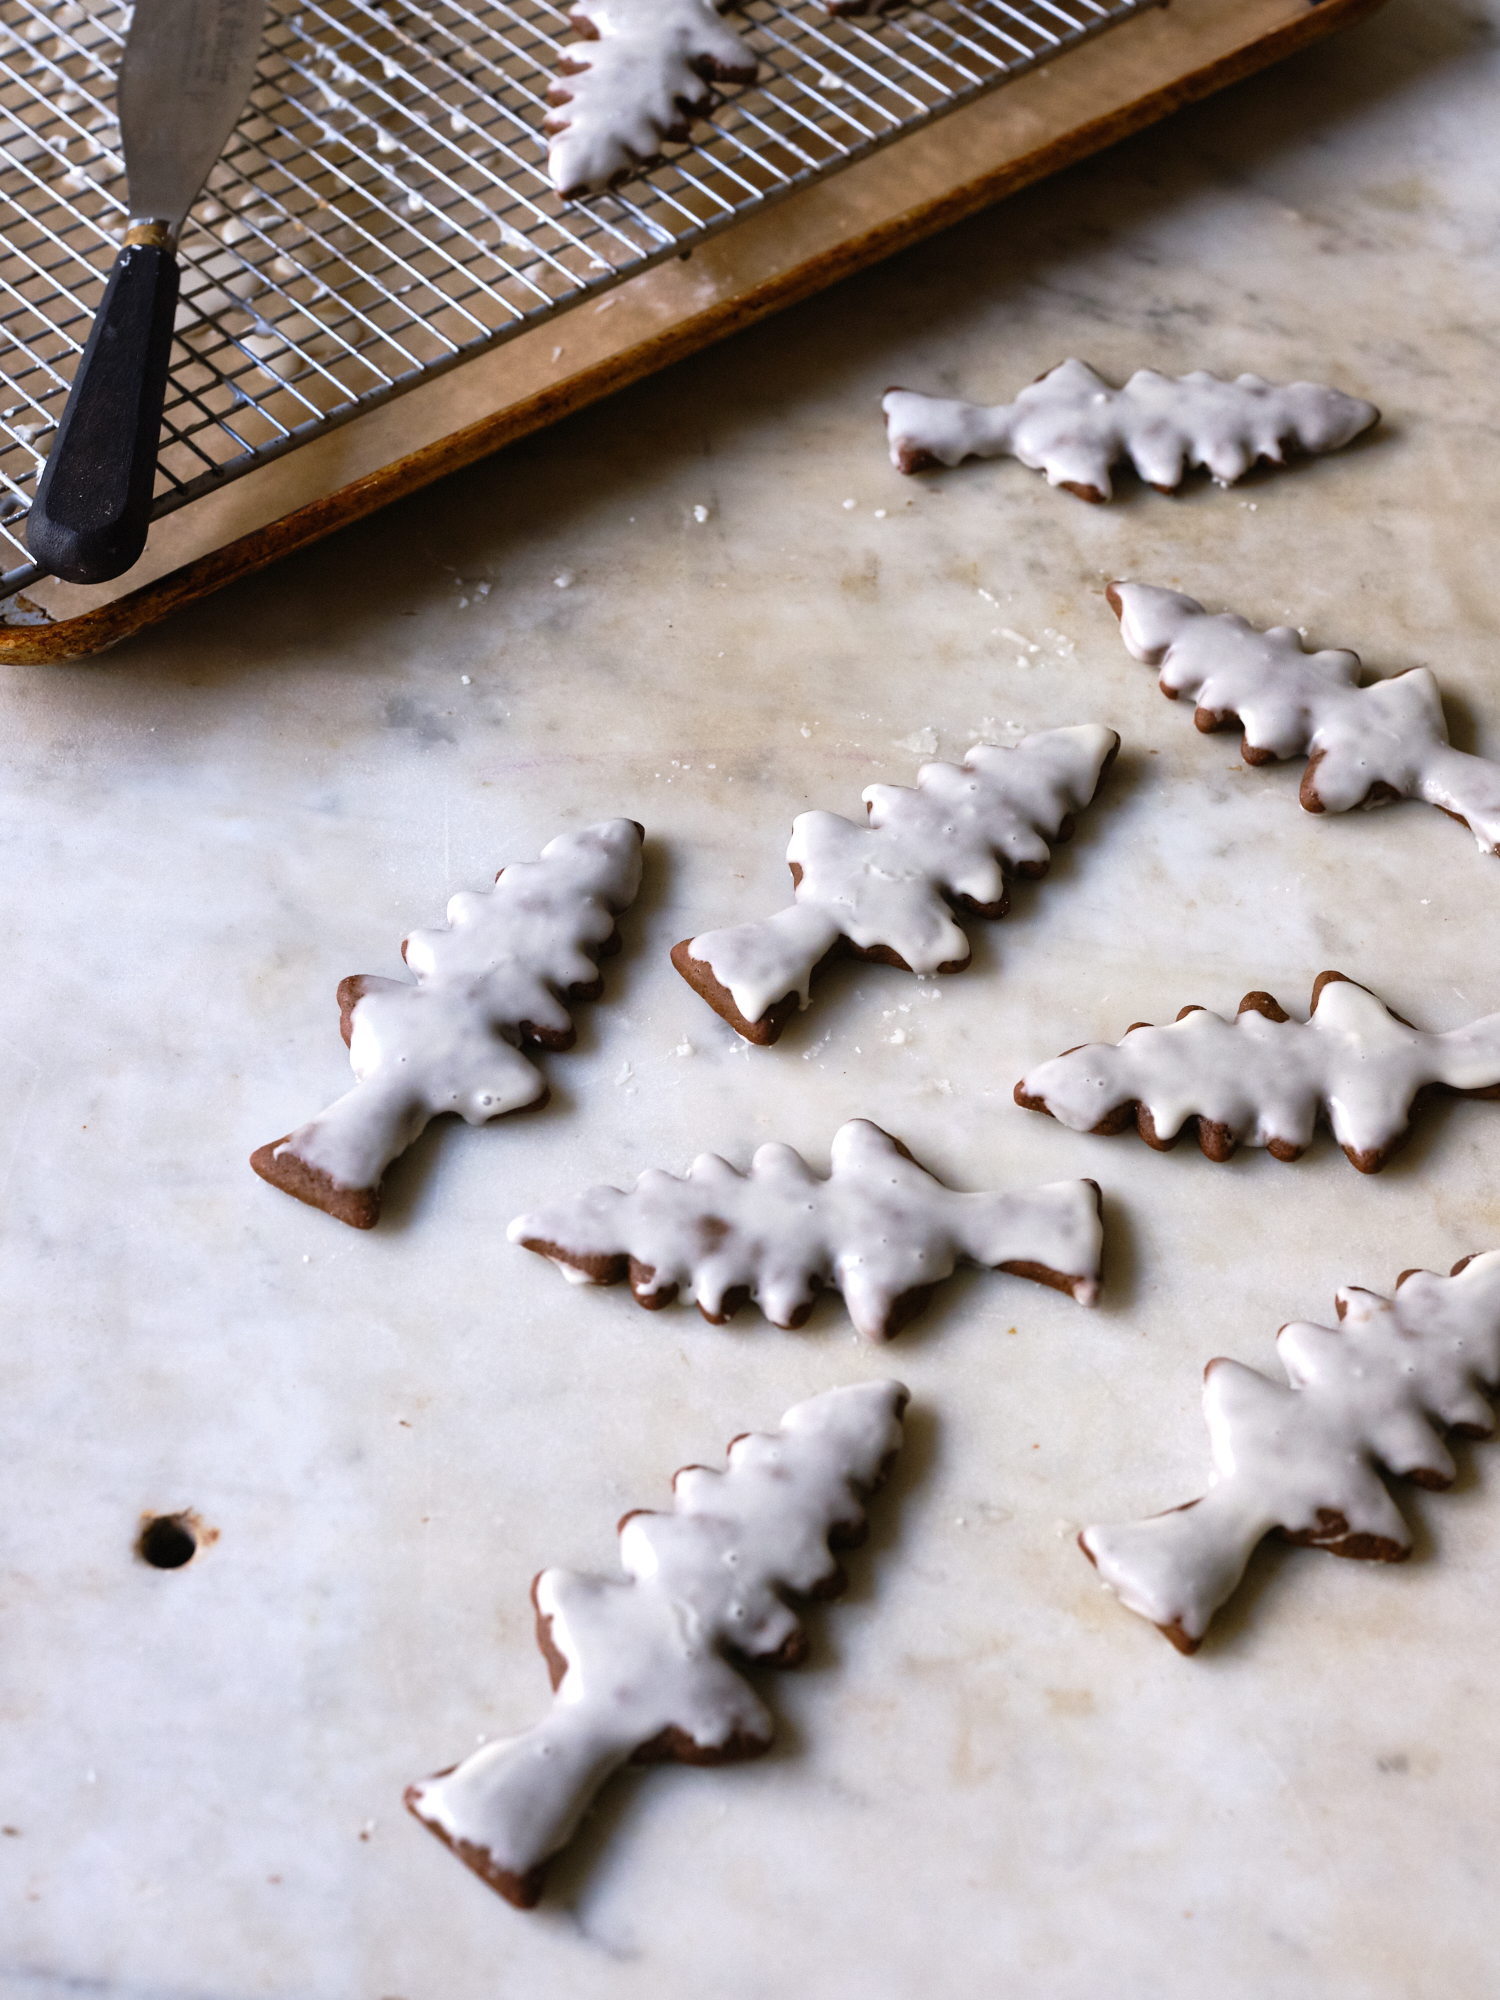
x=93, y=506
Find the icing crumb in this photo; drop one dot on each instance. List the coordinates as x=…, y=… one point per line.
x=563, y=579
x=700, y=515
x=850, y=505
x=465, y=680
x=684, y=1048
x=880, y=513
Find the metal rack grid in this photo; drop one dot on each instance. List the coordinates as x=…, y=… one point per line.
x=382, y=210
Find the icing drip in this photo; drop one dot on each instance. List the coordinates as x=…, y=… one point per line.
x=1263, y=1080
x=640, y=1668
x=888, y=890
x=1366, y=744
x=1378, y=1391
x=1073, y=426
x=496, y=977
x=880, y=1229
x=640, y=78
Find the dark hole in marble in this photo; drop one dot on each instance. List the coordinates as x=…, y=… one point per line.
x=167, y=1542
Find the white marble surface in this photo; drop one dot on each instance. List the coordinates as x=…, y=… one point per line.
x=991, y=1778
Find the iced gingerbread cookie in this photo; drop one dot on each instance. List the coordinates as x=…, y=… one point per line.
x=1264, y=1080
x=642, y=1670
x=643, y=72
x=495, y=981
x=1364, y=745
x=888, y=890
x=1378, y=1391
x=1073, y=426
x=880, y=1229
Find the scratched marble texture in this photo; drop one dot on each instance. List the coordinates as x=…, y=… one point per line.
x=991, y=1778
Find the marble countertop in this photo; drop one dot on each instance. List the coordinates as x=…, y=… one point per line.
x=708, y=604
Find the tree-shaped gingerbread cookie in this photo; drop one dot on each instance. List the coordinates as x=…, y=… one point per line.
x=643, y=1669
x=1376, y=1393
x=878, y=1228
x=641, y=73
x=888, y=890
x=499, y=978
x=1365, y=746
x=1074, y=426
x=1263, y=1079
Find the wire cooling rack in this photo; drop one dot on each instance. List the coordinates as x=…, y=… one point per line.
x=382, y=210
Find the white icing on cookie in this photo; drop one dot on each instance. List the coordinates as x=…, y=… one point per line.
x=877, y=1229
x=1073, y=426
x=1262, y=1080
x=890, y=885
x=449, y=1042
x=641, y=78
x=644, y=1665
x=1378, y=1391
x=1366, y=744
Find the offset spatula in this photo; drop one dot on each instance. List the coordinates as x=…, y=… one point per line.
x=186, y=73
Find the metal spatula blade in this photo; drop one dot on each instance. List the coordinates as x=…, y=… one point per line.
x=187, y=69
